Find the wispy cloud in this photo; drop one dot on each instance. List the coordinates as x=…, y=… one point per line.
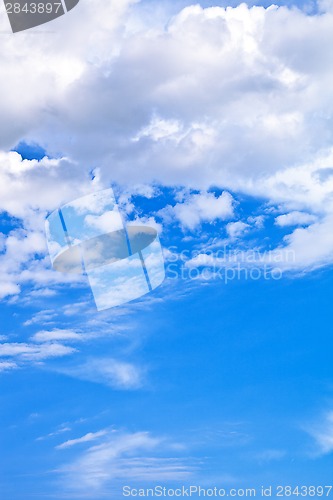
x=60, y=430
x=7, y=365
x=322, y=433
x=90, y=436
x=44, y=317
x=270, y=455
x=109, y=371
x=20, y=354
x=33, y=351
x=123, y=455
x=55, y=335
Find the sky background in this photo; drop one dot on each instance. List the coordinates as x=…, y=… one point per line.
x=212, y=122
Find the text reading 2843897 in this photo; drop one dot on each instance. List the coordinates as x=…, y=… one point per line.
x=25, y=14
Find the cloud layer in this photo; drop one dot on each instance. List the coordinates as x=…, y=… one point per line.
x=211, y=97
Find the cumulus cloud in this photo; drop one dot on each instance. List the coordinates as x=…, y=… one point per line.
x=218, y=98
x=228, y=102
x=30, y=186
x=312, y=246
x=303, y=250
x=295, y=219
x=236, y=229
x=211, y=97
x=29, y=189
x=25, y=261
x=202, y=207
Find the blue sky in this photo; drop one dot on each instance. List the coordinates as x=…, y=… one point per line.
x=214, y=126
x=233, y=380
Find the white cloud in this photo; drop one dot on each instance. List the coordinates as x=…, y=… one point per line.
x=114, y=373
x=218, y=101
x=56, y=334
x=202, y=259
x=39, y=186
x=107, y=222
x=295, y=219
x=32, y=352
x=90, y=436
x=44, y=317
x=120, y=456
x=198, y=208
x=24, y=261
x=312, y=247
x=77, y=322
x=303, y=250
x=231, y=89
x=221, y=84
x=7, y=365
x=258, y=221
x=42, y=292
x=159, y=129
x=236, y=229
x=63, y=428
x=146, y=221
x=322, y=433
x=8, y=288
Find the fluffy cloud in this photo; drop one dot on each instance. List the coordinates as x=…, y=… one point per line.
x=312, y=246
x=230, y=101
x=214, y=98
x=25, y=261
x=211, y=97
x=52, y=61
x=198, y=208
x=295, y=219
x=236, y=229
x=29, y=189
x=305, y=249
